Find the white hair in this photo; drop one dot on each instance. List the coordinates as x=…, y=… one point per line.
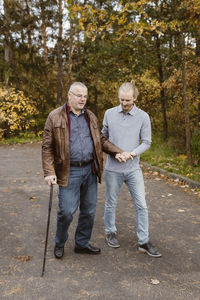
x=129, y=86
x=77, y=84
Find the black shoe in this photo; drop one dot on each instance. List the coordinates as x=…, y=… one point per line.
x=112, y=241
x=88, y=250
x=149, y=249
x=58, y=252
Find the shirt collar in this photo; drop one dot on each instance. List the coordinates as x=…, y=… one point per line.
x=131, y=112
x=82, y=111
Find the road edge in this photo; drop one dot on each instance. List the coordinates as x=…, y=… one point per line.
x=190, y=182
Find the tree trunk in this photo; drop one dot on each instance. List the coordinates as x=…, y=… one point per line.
x=185, y=100
x=71, y=49
x=60, y=53
x=95, y=105
x=162, y=91
x=28, y=27
x=44, y=33
x=44, y=37
x=198, y=82
x=30, y=43
x=7, y=49
x=199, y=114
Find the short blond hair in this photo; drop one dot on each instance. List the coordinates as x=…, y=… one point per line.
x=129, y=86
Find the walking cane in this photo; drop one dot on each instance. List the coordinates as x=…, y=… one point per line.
x=47, y=232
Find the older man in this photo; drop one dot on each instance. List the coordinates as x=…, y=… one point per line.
x=129, y=128
x=72, y=157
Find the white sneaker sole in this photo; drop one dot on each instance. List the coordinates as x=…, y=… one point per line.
x=112, y=246
x=145, y=251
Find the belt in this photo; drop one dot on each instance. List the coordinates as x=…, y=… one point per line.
x=80, y=164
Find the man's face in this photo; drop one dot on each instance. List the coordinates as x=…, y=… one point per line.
x=77, y=98
x=126, y=100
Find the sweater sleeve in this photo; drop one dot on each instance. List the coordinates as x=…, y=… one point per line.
x=145, y=136
x=105, y=131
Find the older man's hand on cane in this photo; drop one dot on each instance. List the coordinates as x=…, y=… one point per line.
x=52, y=179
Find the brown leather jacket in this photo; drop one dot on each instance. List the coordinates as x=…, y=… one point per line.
x=55, y=145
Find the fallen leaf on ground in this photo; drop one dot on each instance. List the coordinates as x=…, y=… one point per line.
x=15, y=290
x=24, y=258
x=155, y=281
x=185, y=186
x=33, y=199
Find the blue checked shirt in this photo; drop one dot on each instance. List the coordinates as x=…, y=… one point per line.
x=81, y=143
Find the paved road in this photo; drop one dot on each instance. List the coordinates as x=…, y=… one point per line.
x=122, y=273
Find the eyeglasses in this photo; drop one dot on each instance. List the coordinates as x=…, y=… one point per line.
x=79, y=96
x=128, y=100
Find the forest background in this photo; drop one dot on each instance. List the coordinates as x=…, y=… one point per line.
x=45, y=45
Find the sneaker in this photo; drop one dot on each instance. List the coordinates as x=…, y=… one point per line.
x=149, y=249
x=112, y=240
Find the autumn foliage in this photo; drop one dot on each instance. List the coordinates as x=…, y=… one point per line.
x=46, y=45
x=17, y=112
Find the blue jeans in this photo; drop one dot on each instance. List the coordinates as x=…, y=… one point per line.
x=135, y=183
x=81, y=191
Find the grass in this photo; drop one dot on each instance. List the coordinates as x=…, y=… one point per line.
x=164, y=156
x=22, y=138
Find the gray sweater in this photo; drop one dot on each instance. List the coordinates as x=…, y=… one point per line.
x=129, y=131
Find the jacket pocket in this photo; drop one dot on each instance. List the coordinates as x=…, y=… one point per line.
x=59, y=141
x=59, y=131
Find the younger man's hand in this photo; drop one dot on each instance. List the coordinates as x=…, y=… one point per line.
x=124, y=156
